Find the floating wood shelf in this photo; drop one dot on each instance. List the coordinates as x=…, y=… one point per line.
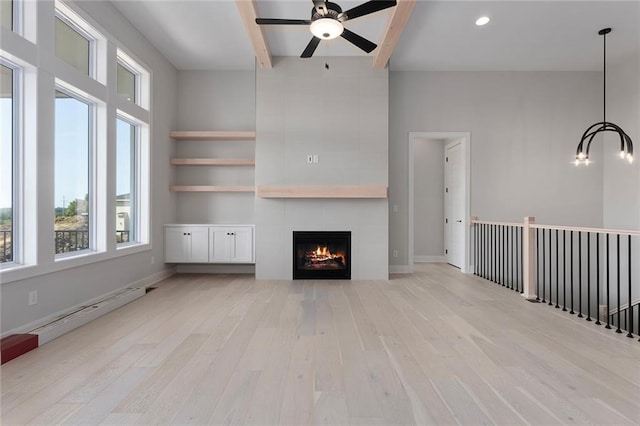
x=210, y=135
x=210, y=188
x=213, y=162
x=323, y=191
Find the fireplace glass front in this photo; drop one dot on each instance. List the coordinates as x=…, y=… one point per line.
x=319, y=255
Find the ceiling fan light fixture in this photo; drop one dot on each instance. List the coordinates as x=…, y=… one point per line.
x=326, y=28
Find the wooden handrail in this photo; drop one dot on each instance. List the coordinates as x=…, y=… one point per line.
x=561, y=228
x=485, y=222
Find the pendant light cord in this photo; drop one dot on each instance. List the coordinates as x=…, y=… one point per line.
x=604, y=78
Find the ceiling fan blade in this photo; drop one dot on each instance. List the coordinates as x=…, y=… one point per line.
x=311, y=47
x=359, y=41
x=321, y=6
x=368, y=7
x=268, y=21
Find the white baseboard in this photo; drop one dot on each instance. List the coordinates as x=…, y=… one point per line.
x=216, y=269
x=428, y=259
x=401, y=269
x=154, y=278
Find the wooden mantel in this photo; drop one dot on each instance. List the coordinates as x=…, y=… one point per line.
x=322, y=191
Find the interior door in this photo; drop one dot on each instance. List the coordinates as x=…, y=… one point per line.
x=454, y=204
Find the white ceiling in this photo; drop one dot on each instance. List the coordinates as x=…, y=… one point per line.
x=440, y=35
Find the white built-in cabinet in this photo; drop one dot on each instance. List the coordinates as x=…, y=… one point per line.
x=231, y=244
x=209, y=243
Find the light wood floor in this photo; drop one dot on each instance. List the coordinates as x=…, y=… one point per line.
x=436, y=347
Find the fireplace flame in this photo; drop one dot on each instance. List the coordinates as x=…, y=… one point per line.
x=323, y=254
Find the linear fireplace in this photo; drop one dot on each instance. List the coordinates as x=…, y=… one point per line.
x=321, y=255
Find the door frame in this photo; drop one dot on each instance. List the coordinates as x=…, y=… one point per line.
x=465, y=140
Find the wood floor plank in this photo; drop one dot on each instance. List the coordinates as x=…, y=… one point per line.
x=331, y=409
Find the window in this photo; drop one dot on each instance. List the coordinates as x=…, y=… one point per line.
x=126, y=182
x=72, y=46
x=72, y=173
x=127, y=83
x=7, y=119
x=6, y=13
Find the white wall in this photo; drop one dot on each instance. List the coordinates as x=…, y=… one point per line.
x=621, y=202
x=428, y=201
x=341, y=115
x=621, y=198
x=59, y=291
x=216, y=100
x=524, y=127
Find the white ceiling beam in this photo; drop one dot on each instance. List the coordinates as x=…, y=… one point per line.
x=400, y=16
x=247, y=9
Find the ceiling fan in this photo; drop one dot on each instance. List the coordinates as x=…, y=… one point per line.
x=327, y=21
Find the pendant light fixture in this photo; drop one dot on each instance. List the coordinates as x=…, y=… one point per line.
x=626, y=146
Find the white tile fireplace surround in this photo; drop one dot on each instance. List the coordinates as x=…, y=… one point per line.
x=340, y=115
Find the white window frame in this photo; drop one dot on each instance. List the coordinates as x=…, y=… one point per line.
x=94, y=216
x=135, y=204
x=142, y=78
x=97, y=42
x=17, y=234
x=42, y=69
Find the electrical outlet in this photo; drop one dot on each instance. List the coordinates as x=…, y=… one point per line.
x=153, y=260
x=309, y=159
x=395, y=253
x=33, y=297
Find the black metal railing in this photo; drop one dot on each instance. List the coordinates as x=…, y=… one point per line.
x=68, y=241
x=65, y=242
x=123, y=237
x=498, y=253
x=587, y=272
x=6, y=250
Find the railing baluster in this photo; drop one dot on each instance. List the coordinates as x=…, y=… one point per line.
x=618, y=267
x=557, y=273
x=537, y=264
x=521, y=260
x=495, y=253
x=598, y=279
x=579, y=274
x=513, y=257
x=544, y=271
x=571, y=272
x=550, y=268
x=588, y=276
x=630, y=309
x=475, y=249
x=608, y=302
x=564, y=270
x=504, y=277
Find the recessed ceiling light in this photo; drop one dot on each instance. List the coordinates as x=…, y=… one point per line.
x=483, y=20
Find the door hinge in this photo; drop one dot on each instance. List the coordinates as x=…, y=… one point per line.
x=446, y=220
x=447, y=159
x=446, y=252
x=446, y=190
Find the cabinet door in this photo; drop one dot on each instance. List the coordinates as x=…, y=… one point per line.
x=176, y=245
x=242, y=245
x=199, y=238
x=219, y=244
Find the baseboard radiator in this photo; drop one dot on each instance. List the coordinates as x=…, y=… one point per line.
x=17, y=344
